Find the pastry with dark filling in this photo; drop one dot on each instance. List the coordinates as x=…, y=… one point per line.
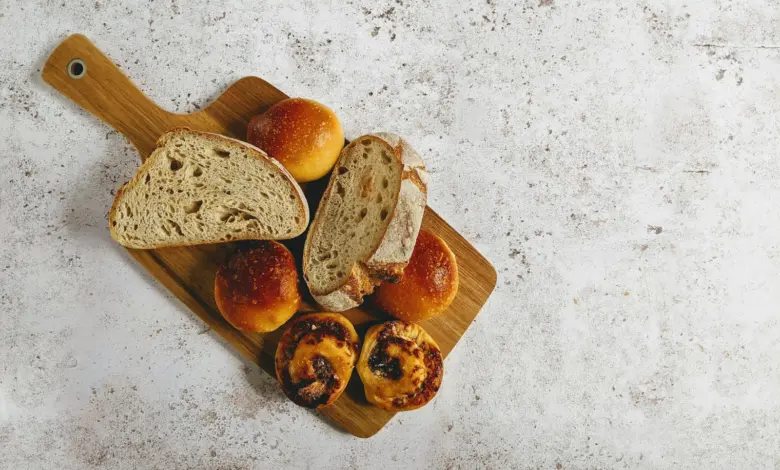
x=400, y=365
x=315, y=358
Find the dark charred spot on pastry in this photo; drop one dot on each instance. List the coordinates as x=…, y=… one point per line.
x=384, y=365
x=326, y=327
x=306, y=393
x=323, y=369
x=289, y=351
x=311, y=339
x=316, y=329
x=312, y=391
x=388, y=330
x=398, y=402
x=409, y=347
x=434, y=356
x=434, y=364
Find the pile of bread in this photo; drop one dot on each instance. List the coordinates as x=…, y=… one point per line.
x=199, y=188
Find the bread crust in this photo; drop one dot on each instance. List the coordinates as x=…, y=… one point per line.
x=257, y=289
x=392, y=253
x=288, y=178
x=302, y=134
x=429, y=283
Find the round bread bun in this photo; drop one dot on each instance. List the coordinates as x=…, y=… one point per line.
x=400, y=365
x=257, y=290
x=315, y=358
x=303, y=135
x=428, y=285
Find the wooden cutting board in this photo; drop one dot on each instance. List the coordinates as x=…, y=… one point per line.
x=81, y=72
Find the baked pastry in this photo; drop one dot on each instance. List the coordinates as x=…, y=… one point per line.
x=429, y=283
x=400, y=365
x=367, y=222
x=315, y=358
x=257, y=290
x=198, y=187
x=304, y=135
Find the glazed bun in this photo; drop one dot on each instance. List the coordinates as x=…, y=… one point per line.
x=303, y=135
x=400, y=365
x=257, y=290
x=428, y=285
x=315, y=358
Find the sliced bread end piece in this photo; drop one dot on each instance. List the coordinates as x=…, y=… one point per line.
x=388, y=261
x=198, y=188
x=366, y=226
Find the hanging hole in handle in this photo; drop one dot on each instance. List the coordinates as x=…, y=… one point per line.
x=77, y=68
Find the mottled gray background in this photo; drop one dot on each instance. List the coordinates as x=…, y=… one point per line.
x=616, y=161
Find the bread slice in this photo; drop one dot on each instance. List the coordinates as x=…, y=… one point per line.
x=367, y=222
x=198, y=187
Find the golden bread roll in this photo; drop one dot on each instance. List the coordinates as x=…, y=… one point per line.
x=257, y=290
x=315, y=358
x=400, y=365
x=428, y=285
x=303, y=135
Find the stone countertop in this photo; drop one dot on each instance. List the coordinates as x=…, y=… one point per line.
x=616, y=161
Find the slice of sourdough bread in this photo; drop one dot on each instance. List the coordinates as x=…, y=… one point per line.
x=367, y=223
x=198, y=188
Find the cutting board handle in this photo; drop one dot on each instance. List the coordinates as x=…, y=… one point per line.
x=80, y=71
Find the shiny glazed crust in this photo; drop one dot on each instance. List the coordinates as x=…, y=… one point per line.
x=257, y=289
x=428, y=285
x=315, y=358
x=302, y=134
x=400, y=365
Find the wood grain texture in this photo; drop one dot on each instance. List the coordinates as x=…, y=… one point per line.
x=189, y=272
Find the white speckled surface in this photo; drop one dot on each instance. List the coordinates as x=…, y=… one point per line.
x=618, y=164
